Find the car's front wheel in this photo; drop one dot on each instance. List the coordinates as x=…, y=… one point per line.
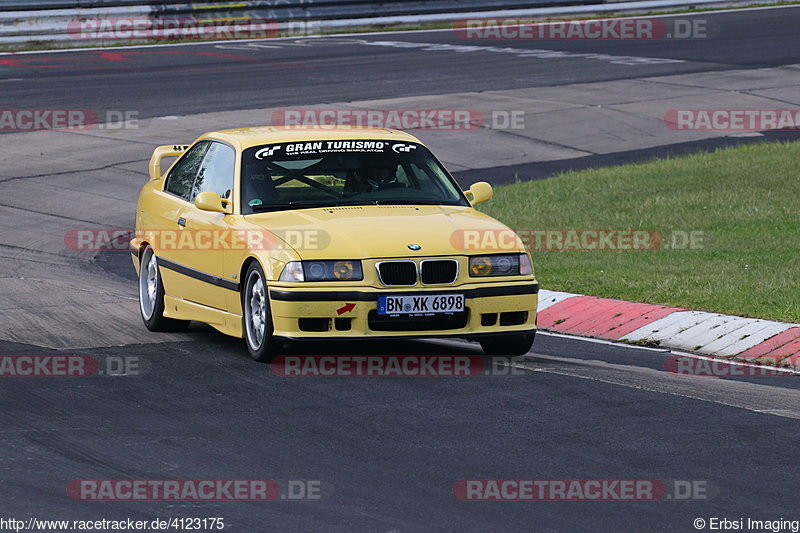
x=151, y=296
x=519, y=344
x=257, y=316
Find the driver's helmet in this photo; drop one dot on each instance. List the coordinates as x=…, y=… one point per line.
x=379, y=176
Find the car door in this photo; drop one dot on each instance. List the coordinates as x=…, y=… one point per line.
x=206, y=238
x=167, y=209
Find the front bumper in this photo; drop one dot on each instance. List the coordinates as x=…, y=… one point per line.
x=491, y=309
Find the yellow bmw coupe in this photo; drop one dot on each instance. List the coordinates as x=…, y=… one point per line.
x=274, y=234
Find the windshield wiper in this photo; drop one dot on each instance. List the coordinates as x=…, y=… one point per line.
x=290, y=205
x=311, y=205
x=409, y=202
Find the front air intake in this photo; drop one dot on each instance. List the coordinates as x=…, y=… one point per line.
x=397, y=273
x=438, y=271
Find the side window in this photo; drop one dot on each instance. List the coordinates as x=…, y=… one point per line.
x=216, y=171
x=181, y=177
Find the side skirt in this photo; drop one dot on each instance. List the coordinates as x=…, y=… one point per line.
x=227, y=323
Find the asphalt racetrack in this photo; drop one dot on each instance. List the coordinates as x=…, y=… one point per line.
x=387, y=454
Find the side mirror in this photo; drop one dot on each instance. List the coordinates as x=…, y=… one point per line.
x=210, y=201
x=479, y=192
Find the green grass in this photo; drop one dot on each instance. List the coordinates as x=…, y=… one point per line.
x=745, y=200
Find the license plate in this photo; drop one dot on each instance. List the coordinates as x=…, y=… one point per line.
x=426, y=304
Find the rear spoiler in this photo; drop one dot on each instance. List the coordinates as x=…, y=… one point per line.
x=162, y=152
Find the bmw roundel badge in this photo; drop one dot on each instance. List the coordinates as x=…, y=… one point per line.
x=414, y=247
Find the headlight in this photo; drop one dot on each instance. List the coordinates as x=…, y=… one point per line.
x=500, y=265
x=322, y=271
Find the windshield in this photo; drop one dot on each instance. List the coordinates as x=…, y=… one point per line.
x=330, y=173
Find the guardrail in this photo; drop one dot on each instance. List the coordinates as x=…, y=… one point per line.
x=51, y=22
x=367, y=5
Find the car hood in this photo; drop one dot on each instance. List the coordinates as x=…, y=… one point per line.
x=373, y=232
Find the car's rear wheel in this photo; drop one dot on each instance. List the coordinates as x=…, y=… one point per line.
x=519, y=344
x=151, y=296
x=257, y=316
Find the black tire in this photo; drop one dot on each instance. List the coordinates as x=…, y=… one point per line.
x=257, y=316
x=508, y=345
x=151, y=298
